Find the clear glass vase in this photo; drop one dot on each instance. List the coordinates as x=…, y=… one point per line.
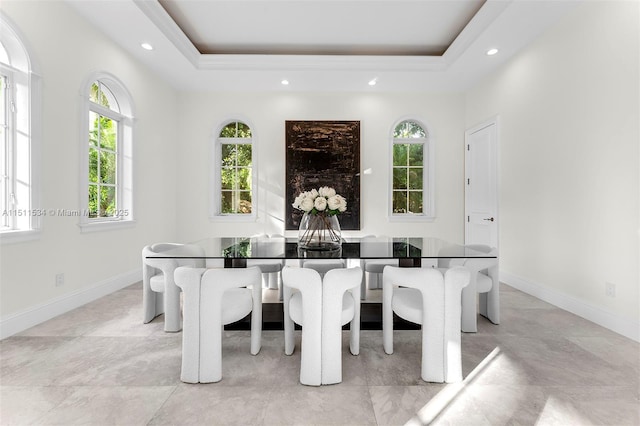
x=319, y=232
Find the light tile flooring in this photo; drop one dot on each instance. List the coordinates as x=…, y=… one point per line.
x=100, y=365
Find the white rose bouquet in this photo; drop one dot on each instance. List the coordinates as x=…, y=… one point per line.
x=319, y=228
x=323, y=200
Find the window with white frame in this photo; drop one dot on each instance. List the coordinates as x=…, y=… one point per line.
x=234, y=175
x=19, y=134
x=107, y=187
x=6, y=173
x=412, y=171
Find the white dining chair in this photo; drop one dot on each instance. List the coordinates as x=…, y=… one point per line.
x=270, y=268
x=214, y=298
x=340, y=306
x=382, y=247
x=426, y=297
x=302, y=296
x=159, y=291
x=321, y=307
x=482, y=295
x=322, y=266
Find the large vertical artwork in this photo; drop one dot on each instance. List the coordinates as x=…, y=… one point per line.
x=323, y=153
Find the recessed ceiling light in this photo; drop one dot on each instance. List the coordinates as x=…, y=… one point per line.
x=492, y=52
x=373, y=82
x=285, y=82
x=146, y=46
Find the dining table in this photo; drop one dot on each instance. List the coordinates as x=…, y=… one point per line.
x=409, y=251
x=234, y=252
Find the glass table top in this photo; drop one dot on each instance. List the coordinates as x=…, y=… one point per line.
x=352, y=248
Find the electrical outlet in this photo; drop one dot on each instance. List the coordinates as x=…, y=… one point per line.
x=610, y=289
x=59, y=280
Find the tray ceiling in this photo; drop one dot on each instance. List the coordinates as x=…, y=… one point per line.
x=322, y=45
x=312, y=27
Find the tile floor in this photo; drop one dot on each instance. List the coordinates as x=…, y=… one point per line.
x=99, y=365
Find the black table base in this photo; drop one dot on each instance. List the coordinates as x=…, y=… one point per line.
x=370, y=319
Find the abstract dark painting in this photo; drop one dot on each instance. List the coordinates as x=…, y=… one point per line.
x=323, y=153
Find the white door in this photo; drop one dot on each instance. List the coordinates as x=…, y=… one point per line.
x=481, y=184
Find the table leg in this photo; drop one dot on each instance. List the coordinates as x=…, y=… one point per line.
x=410, y=262
x=235, y=263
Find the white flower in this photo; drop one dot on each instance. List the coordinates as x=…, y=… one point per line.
x=327, y=192
x=306, y=204
x=320, y=203
x=322, y=199
x=333, y=202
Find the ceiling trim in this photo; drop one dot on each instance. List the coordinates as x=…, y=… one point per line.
x=489, y=11
x=158, y=16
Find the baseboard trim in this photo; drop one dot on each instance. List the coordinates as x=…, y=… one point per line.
x=595, y=314
x=20, y=321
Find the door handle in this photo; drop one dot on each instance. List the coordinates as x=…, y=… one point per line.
x=491, y=219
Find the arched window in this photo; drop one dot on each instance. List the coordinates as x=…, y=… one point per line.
x=20, y=137
x=234, y=179
x=107, y=187
x=412, y=171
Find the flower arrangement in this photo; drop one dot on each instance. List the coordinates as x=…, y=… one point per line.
x=319, y=226
x=322, y=200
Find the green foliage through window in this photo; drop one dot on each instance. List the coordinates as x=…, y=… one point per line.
x=409, y=129
x=103, y=143
x=408, y=168
x=101, y=95
x=236, y=169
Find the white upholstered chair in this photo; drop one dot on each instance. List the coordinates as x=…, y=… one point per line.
x=322, y=266
x=372, y=267
x=270, y=268
x=159, y=291
x=484, y=283
x=321, y=307
x=426, y=297
x=212, y=299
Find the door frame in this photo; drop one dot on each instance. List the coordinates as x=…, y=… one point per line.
x=494, y=120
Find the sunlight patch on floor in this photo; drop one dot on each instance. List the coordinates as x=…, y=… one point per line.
x=439, y=403
x=558, y=411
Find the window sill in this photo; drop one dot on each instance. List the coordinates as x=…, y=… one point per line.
x=19, y=236
x=233, y=218
x=107, y=225
x=411, y=218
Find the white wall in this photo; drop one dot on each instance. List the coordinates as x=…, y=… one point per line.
x=568, y=106
x=202, y=113
x=67, y=50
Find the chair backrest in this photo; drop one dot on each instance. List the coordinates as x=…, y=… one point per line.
x=194, y=255
x=474, y=264
x=210, y=284
x=334, y=285
x=224, y=279
x=341, y=280
x=309, y=283
x=302, y=279
x=456, y=277
x=151, y=265
x=423, y=279
x=160, y=247
x=471, y=262
x=430, y=283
